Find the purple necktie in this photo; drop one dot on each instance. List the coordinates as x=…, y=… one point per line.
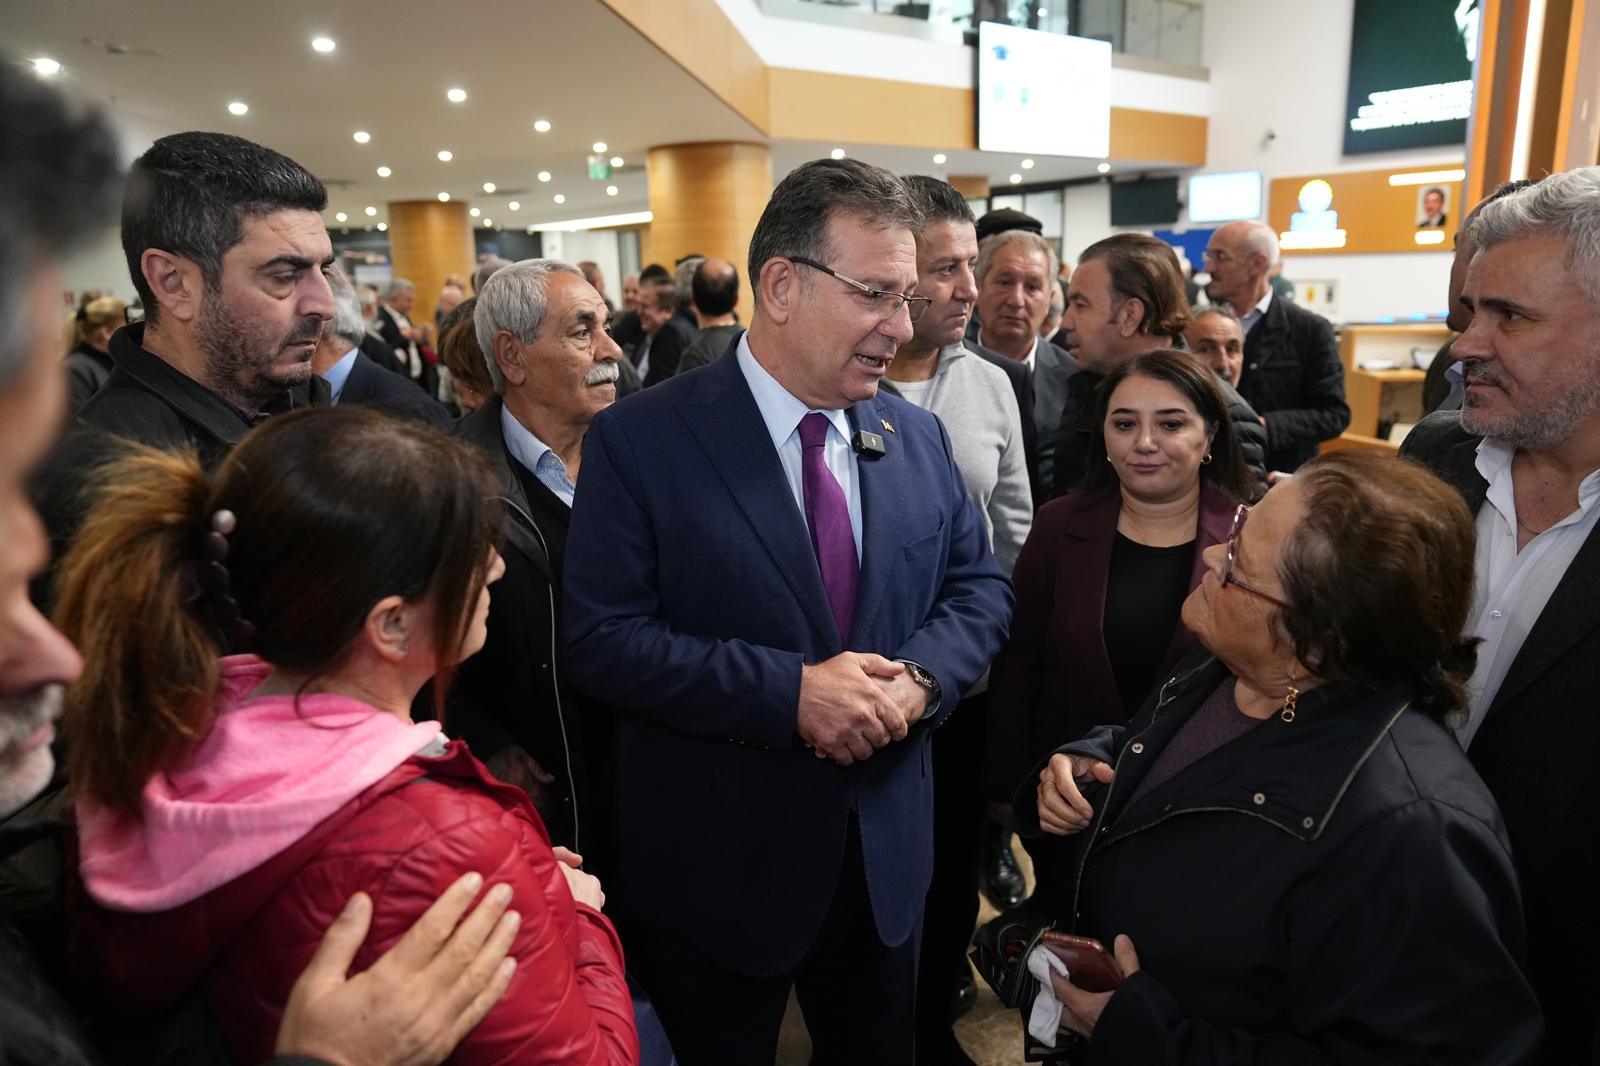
x=829, y=518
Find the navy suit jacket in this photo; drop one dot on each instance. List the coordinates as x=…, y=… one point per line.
x=693, y=598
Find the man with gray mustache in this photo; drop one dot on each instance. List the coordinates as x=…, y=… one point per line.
x=542, y=328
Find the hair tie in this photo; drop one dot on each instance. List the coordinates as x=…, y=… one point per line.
x=208, y=587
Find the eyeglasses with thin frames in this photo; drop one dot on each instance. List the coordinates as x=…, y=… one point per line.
x=1228, y=577
x=881, y=298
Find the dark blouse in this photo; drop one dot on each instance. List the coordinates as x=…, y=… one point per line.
x=1145, y=591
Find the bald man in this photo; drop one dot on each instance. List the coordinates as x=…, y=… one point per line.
x=713, y=292
x=1292, y=375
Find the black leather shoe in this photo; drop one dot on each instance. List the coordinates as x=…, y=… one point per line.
x=966, y=996
x=1003, y=884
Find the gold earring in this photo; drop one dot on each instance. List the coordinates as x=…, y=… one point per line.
x=1287, y=714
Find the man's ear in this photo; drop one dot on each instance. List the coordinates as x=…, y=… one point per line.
x=175, y=281
x=510, y=357
x=389, y=629
x=780, y=288
x=1129, y=317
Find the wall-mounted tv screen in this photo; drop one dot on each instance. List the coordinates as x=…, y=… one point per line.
x=1043, y=93
x=1146, y=202
x=1225, y=197
x=1410, y=74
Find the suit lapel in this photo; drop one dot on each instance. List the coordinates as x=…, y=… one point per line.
x=882, y=482
x=1092, y=533
x=483, y=430
x=723, y=417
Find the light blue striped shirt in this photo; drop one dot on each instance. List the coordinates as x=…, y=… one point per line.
x=535, y=455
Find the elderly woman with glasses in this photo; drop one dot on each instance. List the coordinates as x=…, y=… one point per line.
x=1286, y=848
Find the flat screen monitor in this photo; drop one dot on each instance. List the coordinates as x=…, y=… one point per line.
x=1225, y=197
x=1146, y=202
x=1043, y=93
x=1410, y=74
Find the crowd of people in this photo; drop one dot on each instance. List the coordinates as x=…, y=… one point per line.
x=555, y=682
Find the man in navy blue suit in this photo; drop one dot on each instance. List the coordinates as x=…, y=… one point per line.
x=776, y=576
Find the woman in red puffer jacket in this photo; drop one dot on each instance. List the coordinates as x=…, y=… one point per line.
x=228, y=806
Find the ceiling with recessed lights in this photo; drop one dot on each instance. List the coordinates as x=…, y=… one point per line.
x=496, y=103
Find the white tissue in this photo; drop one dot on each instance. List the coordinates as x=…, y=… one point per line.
x=1044, y=1021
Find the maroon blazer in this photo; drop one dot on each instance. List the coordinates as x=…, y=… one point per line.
x=1052, y=682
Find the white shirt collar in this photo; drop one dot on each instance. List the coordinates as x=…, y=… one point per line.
x=780, y=410
x=1493, y=463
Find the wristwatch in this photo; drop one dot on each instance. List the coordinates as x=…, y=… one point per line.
x=923, y=677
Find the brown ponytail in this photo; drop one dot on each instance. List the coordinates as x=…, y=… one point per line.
x=150, y=669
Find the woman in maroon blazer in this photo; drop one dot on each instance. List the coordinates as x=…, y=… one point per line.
x=1105, y=571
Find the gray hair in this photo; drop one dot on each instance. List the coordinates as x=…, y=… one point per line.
x=683, y=279
x=1563, y=205
x=1259, y=237
x=796, y=219
x=1217, y=311
x=991, y=245
x=513, y=300
x=398, y=286
x=487, y=270
x=367, y=295
x=346, y=323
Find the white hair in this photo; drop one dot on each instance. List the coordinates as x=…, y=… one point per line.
x=486, y=270
x=1563, y=205
x=1259, y=237
x=992, y=244
x=346, y=323
x=398, y=286
x=513, y=301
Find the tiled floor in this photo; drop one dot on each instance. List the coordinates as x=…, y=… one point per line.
x=990, y=1033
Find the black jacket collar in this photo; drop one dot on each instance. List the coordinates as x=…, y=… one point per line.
x=482, y=429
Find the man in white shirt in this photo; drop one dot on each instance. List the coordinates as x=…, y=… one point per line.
x=1524, y=451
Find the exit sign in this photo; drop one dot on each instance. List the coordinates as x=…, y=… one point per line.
x=599, y=168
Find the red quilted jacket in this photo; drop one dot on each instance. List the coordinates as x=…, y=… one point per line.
x=402, y=841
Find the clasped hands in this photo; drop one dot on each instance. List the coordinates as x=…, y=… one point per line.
x=855, y=703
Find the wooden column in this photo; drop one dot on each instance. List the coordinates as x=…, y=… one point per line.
x=707, y=198
x=971, y=186
x=428, y=241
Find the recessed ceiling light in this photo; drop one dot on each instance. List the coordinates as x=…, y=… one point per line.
x=1104, y=168
x=46, y=66
x=488, y=186
x=611, y=190
x=456, y=96
x=1016, y=179
x=488, y=222
x=837, y=153
x=238, y=107
x=541, y=125
x=544, y=175
x=560, y=199
x=371, y=210
x=474, y=212
x=616, y=160
x=384, y=172
x=599, y=147
x=1027, y=164
x=323, y=44
x=514, y=205
x=362, y=136
x=341, y=217
x=444, y=198
x=938, y=159
x=383, y=227
x=446, y=155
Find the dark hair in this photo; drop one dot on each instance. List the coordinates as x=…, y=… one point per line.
x=58, y=181
x=335, y=508
x=1146, y=269
x=1378, y=576
x=796, y=219
x=1431, y=191
x=459, y=351
x=661, y=292
x=190, y=194
x=653, y=271
x=937, y=201
x=1196, y=383
x=716, y=291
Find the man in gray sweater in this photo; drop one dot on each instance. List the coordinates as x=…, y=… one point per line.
x=978, y=407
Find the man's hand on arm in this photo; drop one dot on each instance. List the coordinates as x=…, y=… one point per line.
x=910, y=699
x=845, y=712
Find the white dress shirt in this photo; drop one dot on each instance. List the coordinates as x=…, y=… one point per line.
x=1512, y=588
x=1256, y=313
x=408, y=354
x=782, y=413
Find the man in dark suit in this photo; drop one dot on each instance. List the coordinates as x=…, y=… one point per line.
x=513, y=702
x=355, y=379
x=1524, y=451
x=780, y=650
x=1292, y=373
x=669, y=331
